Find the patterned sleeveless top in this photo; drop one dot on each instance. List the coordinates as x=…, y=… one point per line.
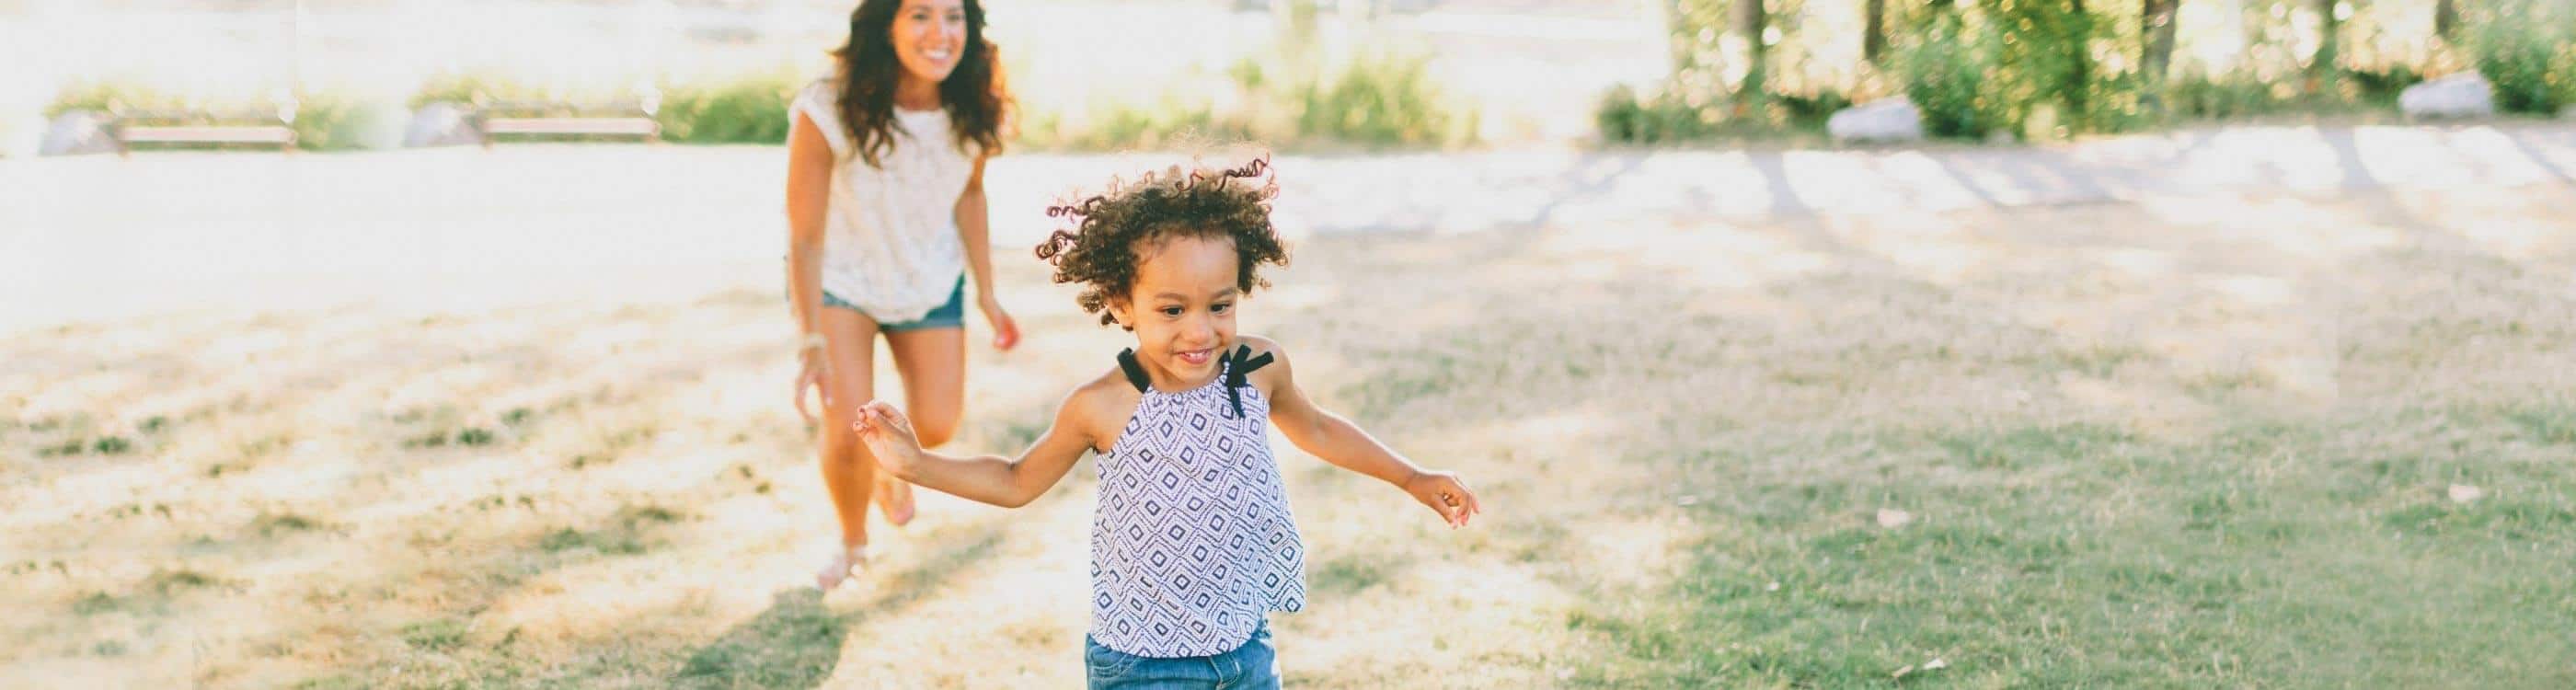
x=1193, y=545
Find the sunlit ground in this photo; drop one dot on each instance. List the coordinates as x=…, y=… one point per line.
x=2230, y=433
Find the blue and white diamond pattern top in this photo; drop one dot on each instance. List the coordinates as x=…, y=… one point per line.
x=1193, y=543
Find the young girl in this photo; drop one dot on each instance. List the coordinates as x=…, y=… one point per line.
x=1192, y=543
x=886, y=219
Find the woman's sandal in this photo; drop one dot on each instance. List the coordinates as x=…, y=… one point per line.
x=848, y=562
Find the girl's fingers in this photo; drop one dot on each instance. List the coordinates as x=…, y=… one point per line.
x=882, y=414
x=1460, y=504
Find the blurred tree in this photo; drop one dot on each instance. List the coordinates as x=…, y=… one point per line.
x=2155, y=57
x=2329, y=37
x=1751, y=20
x=1873, y=37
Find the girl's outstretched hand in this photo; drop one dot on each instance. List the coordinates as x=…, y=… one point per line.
x=1445, y=495
x=889, y=437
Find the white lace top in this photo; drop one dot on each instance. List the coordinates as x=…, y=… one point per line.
x=890, y=234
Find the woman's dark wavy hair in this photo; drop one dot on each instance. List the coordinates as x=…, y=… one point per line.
x=1100, y=250
x=975, y=95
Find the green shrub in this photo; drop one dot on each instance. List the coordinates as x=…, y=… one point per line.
x=109, y=95
x=332, y=121
x=1810, y=110
x=2380, y=85
x=324, y=120
x=1945, y=74
x=2199, y=95
x=1288, y=98
x=474, y=88
x=1377, y=100
x=746, y=110
x=1625, y=117
x=2529, y=64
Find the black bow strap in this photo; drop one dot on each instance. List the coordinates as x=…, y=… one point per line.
x=1135, y=372
x=1239, y=366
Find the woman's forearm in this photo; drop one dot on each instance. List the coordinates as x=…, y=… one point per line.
x=975, y=231
x=805, y=282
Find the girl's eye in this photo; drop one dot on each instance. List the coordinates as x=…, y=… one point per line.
x=1171, y=311
x=1223, y=307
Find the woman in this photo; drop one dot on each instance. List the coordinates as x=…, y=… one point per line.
x=886, y=220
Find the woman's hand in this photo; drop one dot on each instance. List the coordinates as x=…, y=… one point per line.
x=1006, y=333
x=813, y=372
x=1445, y=495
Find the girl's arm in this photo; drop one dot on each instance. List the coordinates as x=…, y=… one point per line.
x=809, y=180
x=974, y=228
x=1336, y=440
x=986, y=478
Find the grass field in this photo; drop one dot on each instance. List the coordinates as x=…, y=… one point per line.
x=2268, y=441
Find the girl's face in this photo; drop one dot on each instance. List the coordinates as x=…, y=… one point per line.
x=929, y=36
x=1182, y=305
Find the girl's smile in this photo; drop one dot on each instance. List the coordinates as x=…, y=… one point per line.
x=1182, y=307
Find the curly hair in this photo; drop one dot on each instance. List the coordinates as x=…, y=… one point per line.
x=975, y=94
x=1100, y=250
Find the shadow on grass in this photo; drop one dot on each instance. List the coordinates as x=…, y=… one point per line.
x=797, y=641
x=793, y=644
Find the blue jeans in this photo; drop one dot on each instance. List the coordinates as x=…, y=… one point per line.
x=1253, y=666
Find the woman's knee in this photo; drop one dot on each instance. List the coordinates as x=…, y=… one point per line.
x=935, y=427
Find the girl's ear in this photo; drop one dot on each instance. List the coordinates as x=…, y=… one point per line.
x=1118, y=309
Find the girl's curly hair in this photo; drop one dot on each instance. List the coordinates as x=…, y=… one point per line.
x=1100, y=250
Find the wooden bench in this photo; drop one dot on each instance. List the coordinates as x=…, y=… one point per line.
x=554, y=119
x=198, y=127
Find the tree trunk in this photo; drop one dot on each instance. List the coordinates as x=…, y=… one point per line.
x=2156, y=57
x=2079, y=59
x=2329, y=33
x=2446, y=19
x=1751, y=18
x=1873, y=36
